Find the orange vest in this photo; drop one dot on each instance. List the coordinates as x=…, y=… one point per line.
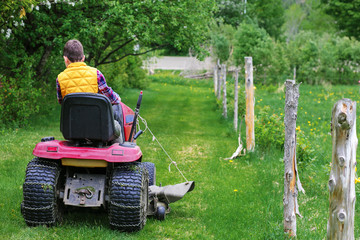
x=78, y=77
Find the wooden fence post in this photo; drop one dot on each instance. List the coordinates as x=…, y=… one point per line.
x=215, y=79
x=236, y=100
x=223, y=73
x=249, y=117
x=342, y=176
x=291, y=179
x=216, y=76
x=219, y=80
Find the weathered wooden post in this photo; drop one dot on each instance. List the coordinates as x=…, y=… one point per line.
x=236, y=100
x=216, y=76
x=216, y=70
x=223, y=73
x=219, y=79
x=249, y=117
x=291, y=179
x=342, y=176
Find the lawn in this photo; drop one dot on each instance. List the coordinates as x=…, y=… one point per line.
x=237, y=199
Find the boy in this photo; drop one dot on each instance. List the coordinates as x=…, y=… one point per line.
x=78, y=77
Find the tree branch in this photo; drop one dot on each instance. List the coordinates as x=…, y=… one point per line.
x=113, y=51
x=132, y=54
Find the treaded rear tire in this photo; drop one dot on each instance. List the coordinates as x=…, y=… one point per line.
x=152, y=172
x=128, y=198
x=40, y=205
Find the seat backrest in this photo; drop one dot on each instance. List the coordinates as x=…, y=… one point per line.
x=87, y=116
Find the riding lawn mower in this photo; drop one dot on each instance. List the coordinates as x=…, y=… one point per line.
x=98, y=165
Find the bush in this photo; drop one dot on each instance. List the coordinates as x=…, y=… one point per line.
x=269, y=129
x=325, y=58
x=270, y=132
x=125, y=73
x=18, y=100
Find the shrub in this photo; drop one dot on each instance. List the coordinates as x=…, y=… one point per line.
x=269, y=129
x=125, y=73
x=18, y=100
x=270, y=132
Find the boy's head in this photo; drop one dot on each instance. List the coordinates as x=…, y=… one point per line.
x=73, y=51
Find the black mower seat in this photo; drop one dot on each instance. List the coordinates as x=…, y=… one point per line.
x=88, y=116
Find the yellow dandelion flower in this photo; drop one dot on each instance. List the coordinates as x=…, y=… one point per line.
x=231, y=161
x=357, y=180
x=235, y=190
x=298, y=128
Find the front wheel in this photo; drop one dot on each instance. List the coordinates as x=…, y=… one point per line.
x=150, y=167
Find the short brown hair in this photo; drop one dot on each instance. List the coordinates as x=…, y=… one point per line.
x=73, y=50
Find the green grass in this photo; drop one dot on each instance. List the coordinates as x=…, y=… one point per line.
x=239, y=199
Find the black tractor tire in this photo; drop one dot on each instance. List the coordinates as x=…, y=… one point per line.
x=41, y=205
x=129, y=196
x=152, y=172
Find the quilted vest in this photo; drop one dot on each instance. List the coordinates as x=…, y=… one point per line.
x=78, y=77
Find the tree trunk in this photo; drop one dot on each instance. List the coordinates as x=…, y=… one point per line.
x=44, y=59
x=236, y=100
x=249, y=117
x=223, y=73
x=291, y=174
x=342, y=175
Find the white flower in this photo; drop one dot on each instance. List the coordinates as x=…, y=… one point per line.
x=8, y=33
x=16, y=23
x=37, y=8
x=22, y=23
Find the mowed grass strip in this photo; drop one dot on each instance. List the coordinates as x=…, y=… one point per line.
x=238, y=199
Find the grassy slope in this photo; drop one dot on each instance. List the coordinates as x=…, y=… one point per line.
x=185, y=120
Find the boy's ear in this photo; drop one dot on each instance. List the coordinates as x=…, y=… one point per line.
x=83, y=59
x=67, y=61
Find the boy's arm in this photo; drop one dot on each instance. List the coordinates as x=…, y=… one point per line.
x=106, y=90
x=58, y=91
